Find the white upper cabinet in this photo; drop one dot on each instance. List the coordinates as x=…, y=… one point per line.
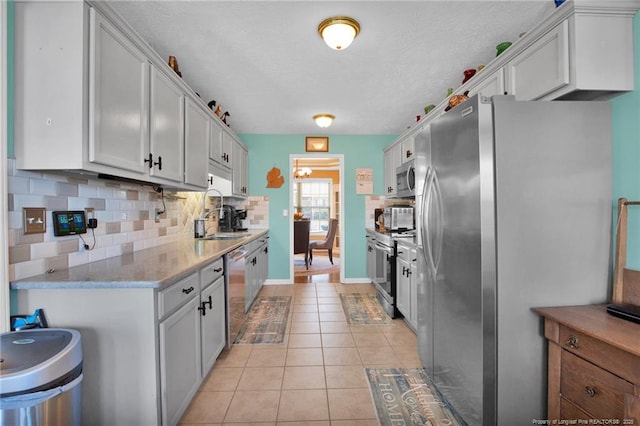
x=408, y=149
x=543, y=67
x=490, y=86
x=197, y=130
x=240, y=170
x=165, y=157
x=91, y=96
x=221, y=145
x=392, y=159
x=118, y=98
x=586, y=56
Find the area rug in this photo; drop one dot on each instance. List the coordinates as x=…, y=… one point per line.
x=266, y=321
x=363, y=309
x=321, y=265
x=406, y=396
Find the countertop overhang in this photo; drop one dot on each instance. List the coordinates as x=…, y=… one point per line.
x=155, y=267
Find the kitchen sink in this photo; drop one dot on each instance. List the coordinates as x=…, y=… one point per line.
x=233, y=236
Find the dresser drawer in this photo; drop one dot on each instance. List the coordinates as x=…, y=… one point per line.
x=596, y=391
x=615, y=360
x=568, y=411
x=179, y=293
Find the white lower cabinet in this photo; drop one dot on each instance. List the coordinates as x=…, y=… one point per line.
x=212, y=321
x=406, y=283
x=191, y=338
x=180, y=360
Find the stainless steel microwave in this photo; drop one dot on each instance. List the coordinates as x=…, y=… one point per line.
x=406, y=180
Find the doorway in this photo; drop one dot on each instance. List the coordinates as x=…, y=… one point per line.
x=316, y=194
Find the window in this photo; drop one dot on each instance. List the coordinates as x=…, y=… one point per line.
x=312, y=197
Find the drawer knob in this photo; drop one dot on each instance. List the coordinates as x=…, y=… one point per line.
x=572, y=342
x=187, y=290
x=591, y=392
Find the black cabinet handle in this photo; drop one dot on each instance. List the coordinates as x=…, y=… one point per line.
x=159, y=163
x=217, y=270
x=149, y=160
x=187, y=290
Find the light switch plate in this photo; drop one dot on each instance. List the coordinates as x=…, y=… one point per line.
x=34, y=220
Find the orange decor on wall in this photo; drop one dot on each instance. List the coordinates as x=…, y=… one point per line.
x=274, y=178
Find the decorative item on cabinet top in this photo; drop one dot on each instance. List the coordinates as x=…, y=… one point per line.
x=455, y=100
x=173, y=63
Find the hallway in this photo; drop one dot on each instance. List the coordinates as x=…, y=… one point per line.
x=316, y=377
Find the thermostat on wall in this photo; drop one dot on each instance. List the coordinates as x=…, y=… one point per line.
x=69, y=223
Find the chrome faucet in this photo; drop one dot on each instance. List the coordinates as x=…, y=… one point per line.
x=199, y=224
x=204, y=200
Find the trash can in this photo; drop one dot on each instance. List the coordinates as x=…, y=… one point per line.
x=40, y=377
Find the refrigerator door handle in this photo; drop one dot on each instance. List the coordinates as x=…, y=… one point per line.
x=439, y=222
x=426, y=218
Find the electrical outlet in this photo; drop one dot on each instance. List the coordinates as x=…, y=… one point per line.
x=90, y=212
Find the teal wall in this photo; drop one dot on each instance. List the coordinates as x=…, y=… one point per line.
x=626, y=154
x=267, y=151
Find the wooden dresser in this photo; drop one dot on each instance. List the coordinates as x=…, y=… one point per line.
x=594, y=366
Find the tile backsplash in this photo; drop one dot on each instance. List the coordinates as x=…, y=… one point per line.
x=126, y=216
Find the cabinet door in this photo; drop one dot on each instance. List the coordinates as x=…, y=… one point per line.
x=541, y=68
x=408, y=149
x=118, y=98
x=215, y=143
x=403, y=293
x=180, y=360
x=197, y=133
x=166, y=128
x=413, y=289
x=213, y=323
x=492, y=85
x=227, y=149
x=239, y=170
x=391, y=162
x=371, y=267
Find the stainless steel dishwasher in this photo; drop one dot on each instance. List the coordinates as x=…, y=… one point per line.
x=235, y=292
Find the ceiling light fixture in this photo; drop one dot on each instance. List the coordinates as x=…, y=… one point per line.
x=301, y=173
x=324, y=120
x=338, y=31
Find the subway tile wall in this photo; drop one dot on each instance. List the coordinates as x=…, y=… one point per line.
x=126, y=216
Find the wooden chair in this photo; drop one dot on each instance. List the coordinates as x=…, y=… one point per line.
x=626, y=282
x=301, y=230
x=327, y=243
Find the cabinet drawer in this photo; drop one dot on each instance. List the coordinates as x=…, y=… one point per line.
x=177, y=294
x=596, y=391
x=617, y=361
x=211, y=272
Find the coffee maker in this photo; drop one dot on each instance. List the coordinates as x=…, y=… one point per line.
x=231, y=220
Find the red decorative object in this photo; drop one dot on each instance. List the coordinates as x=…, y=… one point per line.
x=468, y=74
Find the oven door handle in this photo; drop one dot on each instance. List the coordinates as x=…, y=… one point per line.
x=386, y=249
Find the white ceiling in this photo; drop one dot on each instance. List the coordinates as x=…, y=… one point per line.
x=264, y=62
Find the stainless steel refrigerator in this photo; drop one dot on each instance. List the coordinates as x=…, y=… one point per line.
x=515, y=213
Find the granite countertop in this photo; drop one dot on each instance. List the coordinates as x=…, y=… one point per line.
x=155, y=267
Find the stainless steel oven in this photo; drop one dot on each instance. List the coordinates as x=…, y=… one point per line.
x=385, y=272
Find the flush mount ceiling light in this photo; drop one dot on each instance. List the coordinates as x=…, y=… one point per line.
x=323, y=120
x=338, y=31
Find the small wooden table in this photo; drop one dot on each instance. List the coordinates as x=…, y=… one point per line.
x=594, y=366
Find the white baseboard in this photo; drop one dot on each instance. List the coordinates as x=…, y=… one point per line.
x=278, y=282
x=356, y=281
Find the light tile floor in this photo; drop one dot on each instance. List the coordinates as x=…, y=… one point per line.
x=316, y=377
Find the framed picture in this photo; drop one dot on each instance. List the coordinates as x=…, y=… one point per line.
x=317, y=144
